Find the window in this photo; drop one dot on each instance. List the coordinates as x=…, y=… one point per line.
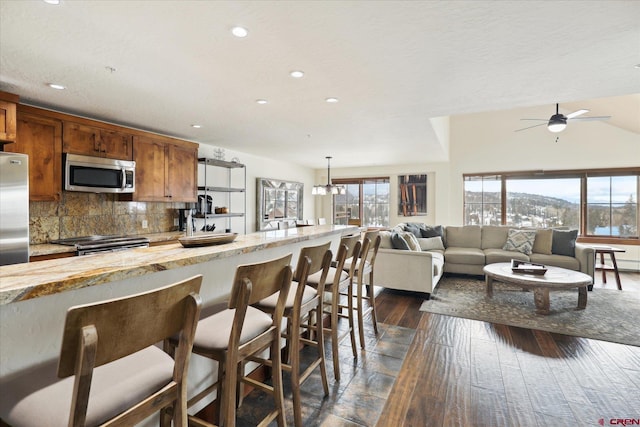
x=365, y=202
x=543, y=202
x=482, y=200
x=612, y=206
x=599, y=203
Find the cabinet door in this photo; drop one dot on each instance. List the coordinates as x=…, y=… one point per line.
x=181, y=173
x=81, y=139
x=41, y=139
x=116, y=145
x=149, y=156
x=7, y=121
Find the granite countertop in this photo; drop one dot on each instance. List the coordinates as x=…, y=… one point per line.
x=20, y=282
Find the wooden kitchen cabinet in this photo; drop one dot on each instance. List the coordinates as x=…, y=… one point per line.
x=40, y=137
x=95, y=141
x=8, y=125
x=165, y=171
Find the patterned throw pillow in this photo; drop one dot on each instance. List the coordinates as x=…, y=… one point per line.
x=520, y=241
x=412, y=241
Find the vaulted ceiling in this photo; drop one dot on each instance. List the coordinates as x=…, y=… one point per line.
x=392, y=65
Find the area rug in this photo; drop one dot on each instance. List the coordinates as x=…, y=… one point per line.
x=610, y=315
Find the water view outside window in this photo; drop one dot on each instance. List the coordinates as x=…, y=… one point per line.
x=612, y=206
x=365, y=203
x=543, y=203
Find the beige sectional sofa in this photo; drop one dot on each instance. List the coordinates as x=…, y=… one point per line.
x=466, y=250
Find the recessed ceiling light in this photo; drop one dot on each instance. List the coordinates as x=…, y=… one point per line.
x=56, y=86
x=52, y=1
x=331, y=100
x=261, y=101
x=196, y=126
x=637, y=66
x=297, y=74
x=240, y=32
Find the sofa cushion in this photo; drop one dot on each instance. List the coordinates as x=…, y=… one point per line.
x=564, y=242
x=412, y=240
x=398, y=241
x=561, y=261
x=431, y=243
x=457, y=255
x=413, y=227
x=520, y=241
x=468, y=236
x=437, y=259
x=493, y=255
x=432, y=231
x=543, y=242
x=494, y=236
x=385, y=240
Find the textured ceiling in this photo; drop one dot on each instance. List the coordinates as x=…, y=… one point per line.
x=393, y=65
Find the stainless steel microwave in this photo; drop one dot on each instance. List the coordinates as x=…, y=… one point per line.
x=98, y=175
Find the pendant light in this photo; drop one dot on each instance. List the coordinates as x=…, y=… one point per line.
x=322, y=190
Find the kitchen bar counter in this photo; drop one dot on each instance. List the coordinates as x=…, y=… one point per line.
x=36, y=296
x=22, y=282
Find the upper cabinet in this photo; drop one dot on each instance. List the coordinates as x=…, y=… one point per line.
x=40, y=137
x=8, y=125
x=96, y=141
x=166, y=170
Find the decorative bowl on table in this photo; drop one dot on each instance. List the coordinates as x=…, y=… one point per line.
x=207, y=239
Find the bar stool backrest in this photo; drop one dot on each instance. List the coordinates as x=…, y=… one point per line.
x=319, y=259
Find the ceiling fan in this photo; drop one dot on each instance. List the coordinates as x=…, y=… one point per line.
x=558, y=121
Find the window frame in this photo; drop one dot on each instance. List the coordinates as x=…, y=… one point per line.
x=583, y=174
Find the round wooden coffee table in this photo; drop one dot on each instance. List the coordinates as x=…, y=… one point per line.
x=554, y=278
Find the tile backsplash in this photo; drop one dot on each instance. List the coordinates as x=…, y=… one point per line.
x=85, y=214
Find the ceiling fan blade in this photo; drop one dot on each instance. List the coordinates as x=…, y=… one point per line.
x=592, y=118
x=576, y=114
x=534, y=126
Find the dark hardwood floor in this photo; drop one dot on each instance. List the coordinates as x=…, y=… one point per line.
x=461, y=372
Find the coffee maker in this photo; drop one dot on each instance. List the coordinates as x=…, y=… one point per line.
x=186, y=221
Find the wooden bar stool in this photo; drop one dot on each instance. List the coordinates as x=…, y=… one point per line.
x=364, y=290
x=338, y=281
x=242, y=332
x=110, y=373
x=301, y=305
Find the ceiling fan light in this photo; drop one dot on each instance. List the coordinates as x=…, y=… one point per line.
x=557, y=123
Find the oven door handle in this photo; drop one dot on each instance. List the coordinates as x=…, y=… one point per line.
x=124, y=179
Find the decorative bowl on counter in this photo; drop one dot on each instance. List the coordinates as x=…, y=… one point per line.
x=207, y=239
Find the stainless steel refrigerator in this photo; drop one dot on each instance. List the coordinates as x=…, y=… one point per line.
x=14, y=208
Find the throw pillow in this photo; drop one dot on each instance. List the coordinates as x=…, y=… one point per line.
x=412, y=241
x=520, y=241
x=543, y=242
x=413, y=228
x=398, y=242
x=431, y=243
x=385, y=240
x=564, y=242
x=431, y=231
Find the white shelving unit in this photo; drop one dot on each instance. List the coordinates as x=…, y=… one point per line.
x=224, y=191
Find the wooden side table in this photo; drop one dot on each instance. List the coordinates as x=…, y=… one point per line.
x=611, y=251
